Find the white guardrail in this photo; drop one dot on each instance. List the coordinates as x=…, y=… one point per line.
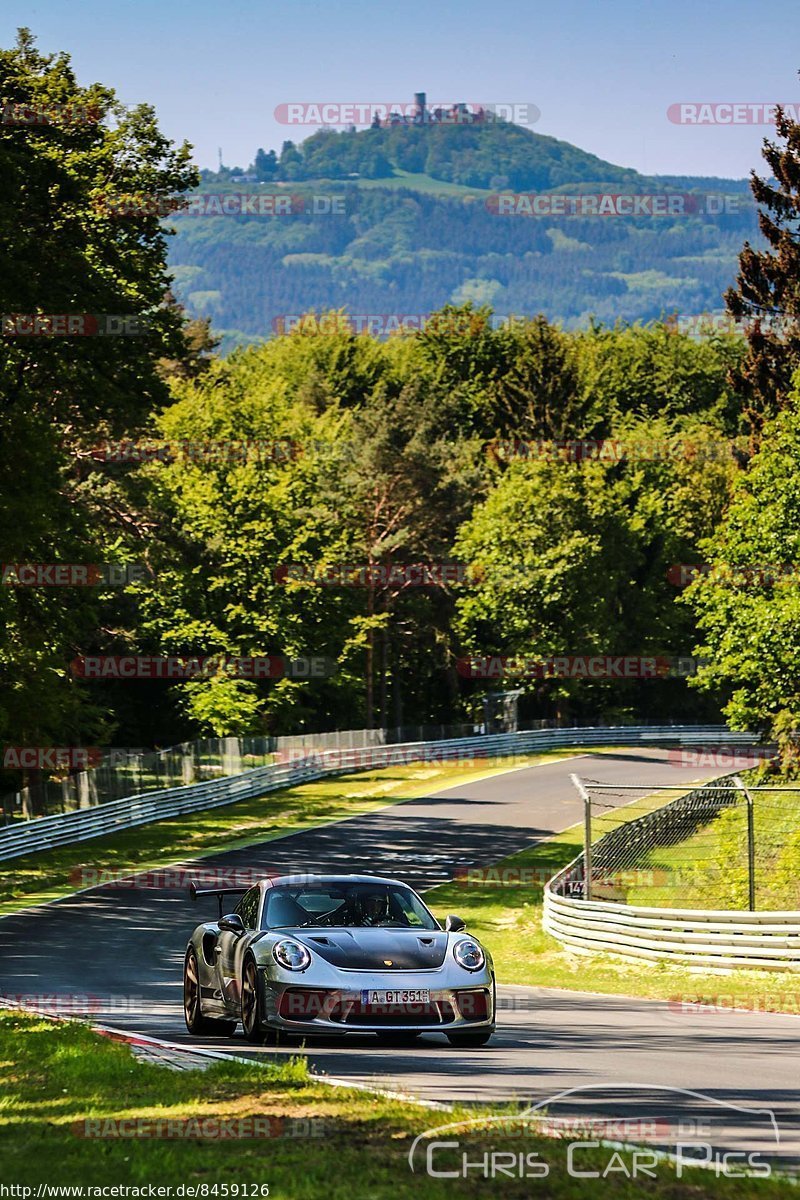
x=44, y=833
x=717, y=938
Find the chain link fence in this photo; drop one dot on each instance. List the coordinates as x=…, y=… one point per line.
x=128, y=773
x=733, y=844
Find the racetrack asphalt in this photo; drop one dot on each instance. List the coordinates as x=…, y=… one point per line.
x=118, y=952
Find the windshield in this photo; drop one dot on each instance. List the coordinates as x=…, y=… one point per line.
x=346, y=906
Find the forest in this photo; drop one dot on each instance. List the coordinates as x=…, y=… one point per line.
x=395, y=509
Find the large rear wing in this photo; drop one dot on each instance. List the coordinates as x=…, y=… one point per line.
x=195, y=893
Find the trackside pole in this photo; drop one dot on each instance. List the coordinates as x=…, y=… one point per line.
x=751, y=845
x=587, y=836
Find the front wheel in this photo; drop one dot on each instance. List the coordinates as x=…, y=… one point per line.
x=251, y=1004
x=196, y=1023
x=467, y=1041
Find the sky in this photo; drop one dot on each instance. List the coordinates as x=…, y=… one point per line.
x=602, y=73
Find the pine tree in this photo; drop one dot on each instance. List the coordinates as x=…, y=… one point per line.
x=767, y=292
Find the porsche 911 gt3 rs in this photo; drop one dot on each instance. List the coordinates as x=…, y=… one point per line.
x=332, y=954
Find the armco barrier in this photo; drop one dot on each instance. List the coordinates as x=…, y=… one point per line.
x=63, y=829
x=721, y=939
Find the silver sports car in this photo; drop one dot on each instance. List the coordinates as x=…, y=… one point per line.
x=332, y=954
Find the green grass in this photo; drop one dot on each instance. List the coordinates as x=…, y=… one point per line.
x=709, y=869
x=422, y=183
x=57, y=1077
x=414, y=181
x=49, y=874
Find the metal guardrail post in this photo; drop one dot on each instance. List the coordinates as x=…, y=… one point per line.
x=751, y=845
x=587, y=837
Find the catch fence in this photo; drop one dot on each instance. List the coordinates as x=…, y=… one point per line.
x=706, y=878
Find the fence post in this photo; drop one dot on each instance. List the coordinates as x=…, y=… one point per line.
x=587, y=836
x=751, y=845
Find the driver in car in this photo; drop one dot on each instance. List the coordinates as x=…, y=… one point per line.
x=374, y=909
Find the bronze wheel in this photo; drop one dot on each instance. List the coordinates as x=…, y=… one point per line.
x=251, y=1003
x=196, y=1023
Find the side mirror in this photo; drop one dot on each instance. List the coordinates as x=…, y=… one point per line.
x=232, y=923
x=453, y=924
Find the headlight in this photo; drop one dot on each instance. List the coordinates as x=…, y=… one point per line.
x=469, y=955
x=291, y=955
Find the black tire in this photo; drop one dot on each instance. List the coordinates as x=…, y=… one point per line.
x=402, y=1038
x=196, y=1023
x=251, y=1005
x=470, y=1040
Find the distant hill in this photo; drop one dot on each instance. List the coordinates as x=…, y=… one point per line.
x=480, y=156
x=405, y=219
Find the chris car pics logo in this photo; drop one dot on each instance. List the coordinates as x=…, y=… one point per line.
x=656, y=1131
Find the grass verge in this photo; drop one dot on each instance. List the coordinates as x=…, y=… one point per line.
x=65, y=1089
x=709, y=869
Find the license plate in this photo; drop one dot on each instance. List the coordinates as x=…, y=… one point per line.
x=396, y=996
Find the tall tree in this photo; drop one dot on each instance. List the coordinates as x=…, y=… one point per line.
x=266, y=164
x=574, y=558
x=748, y=605
x=767, y=292
x=67, y=156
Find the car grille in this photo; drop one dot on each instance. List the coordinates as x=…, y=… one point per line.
x=438, y=1012
x=307, y=1004
x=473, y=1005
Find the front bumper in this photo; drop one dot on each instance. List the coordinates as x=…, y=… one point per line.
x=305, y=1007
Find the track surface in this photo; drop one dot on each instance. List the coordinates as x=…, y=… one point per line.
x=122, y=950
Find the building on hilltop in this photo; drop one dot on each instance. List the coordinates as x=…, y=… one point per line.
x=455, y=114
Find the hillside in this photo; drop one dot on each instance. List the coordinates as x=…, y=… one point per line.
x=405, y=219
x=494, y=155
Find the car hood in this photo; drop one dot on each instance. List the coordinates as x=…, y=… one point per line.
x=377, y=949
